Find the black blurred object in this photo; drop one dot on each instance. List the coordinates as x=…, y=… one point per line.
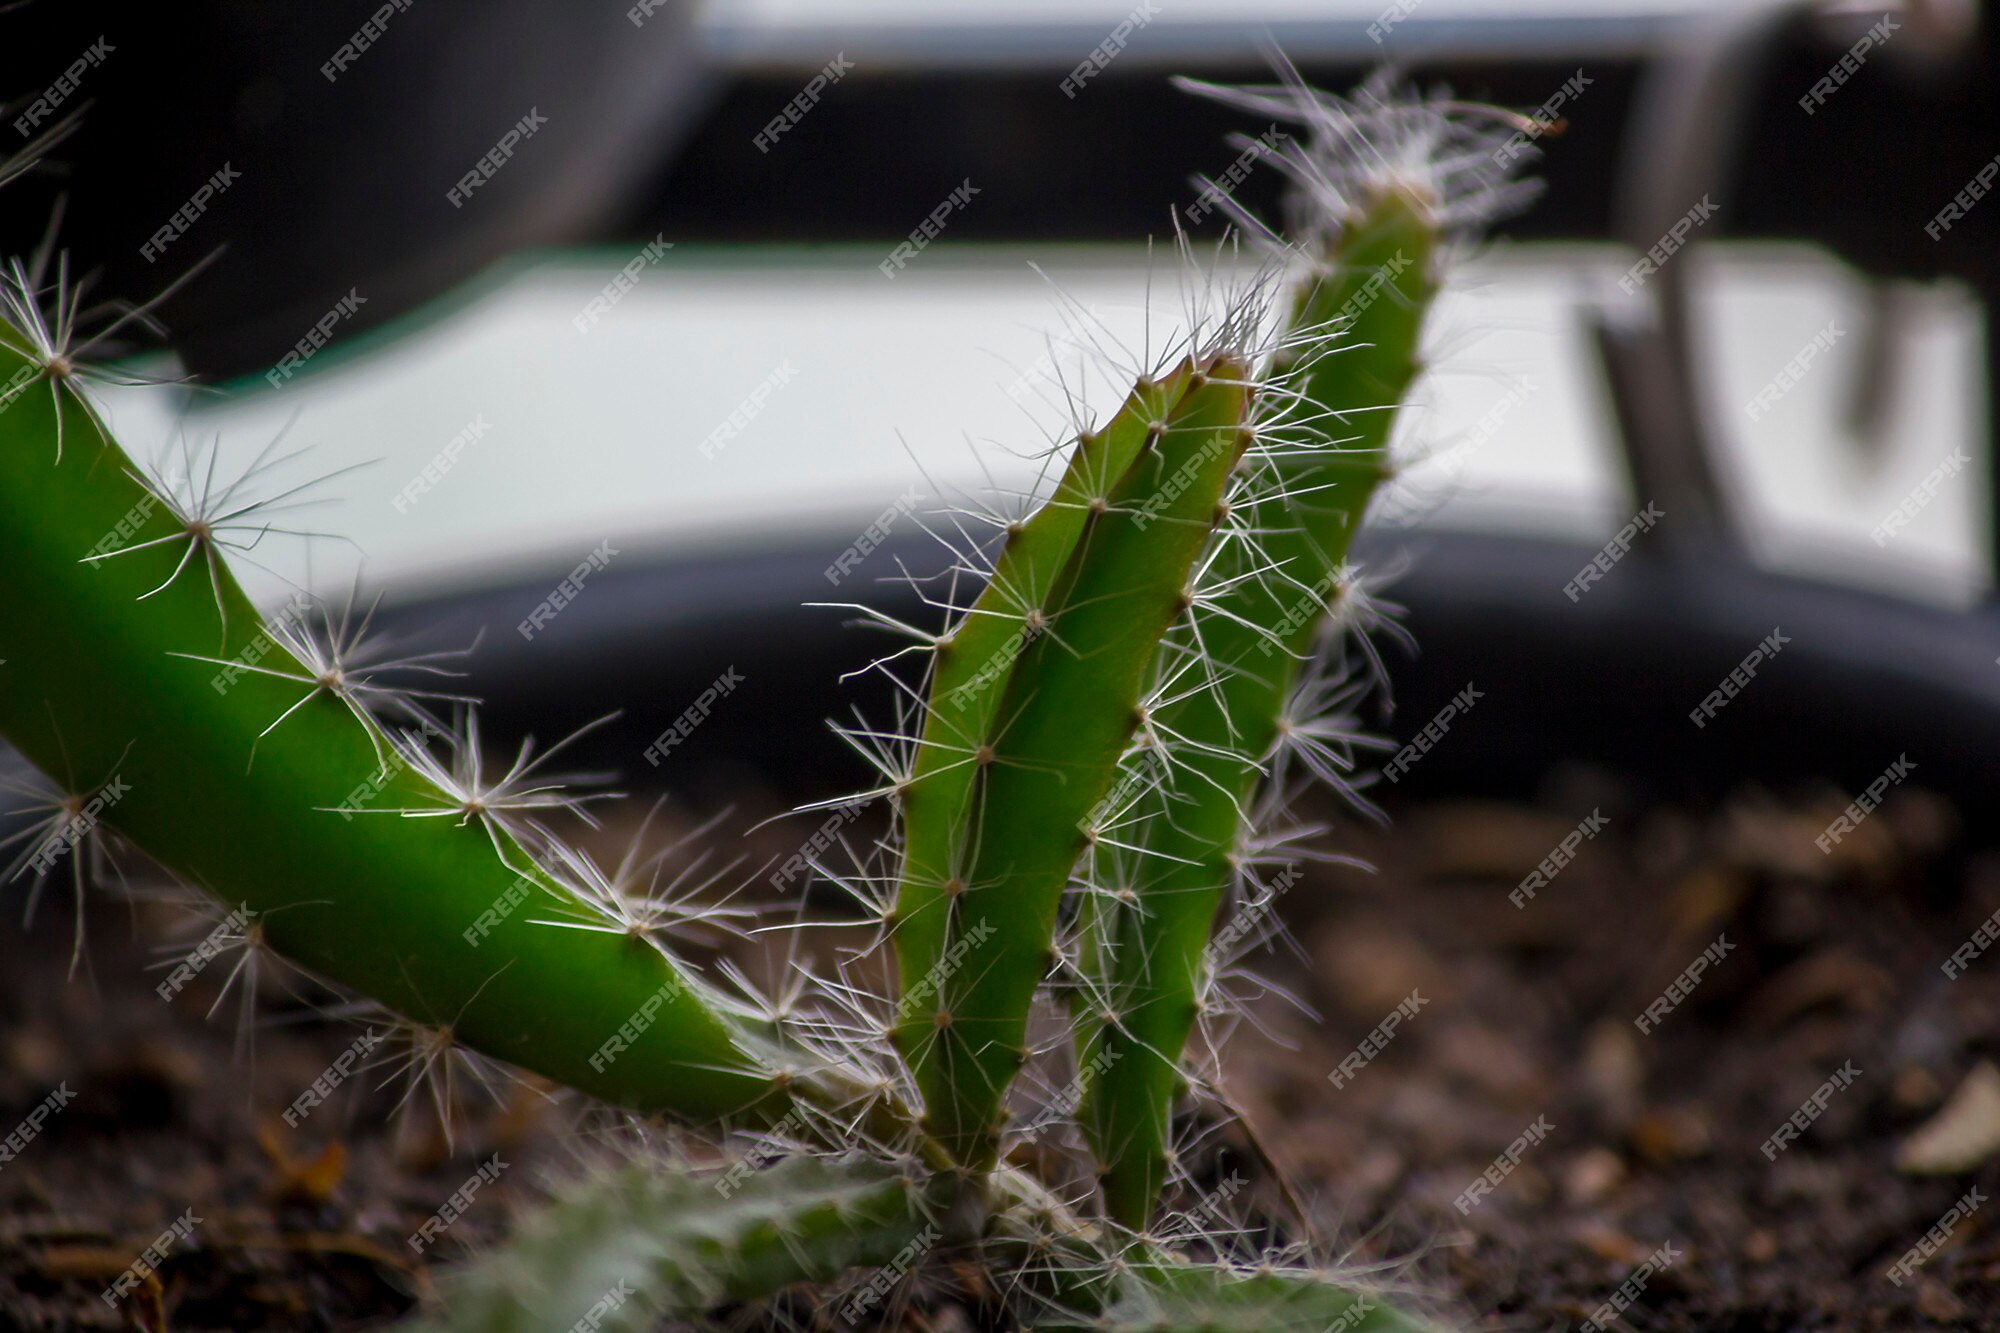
x=1609, y=680
x=1862, y=175
x=343, y=181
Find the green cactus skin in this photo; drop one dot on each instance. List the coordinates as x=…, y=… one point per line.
x=966, y=686
x=637, y=1244
x=1145, y=958
x=379, y=904
x=1069, y=707
x=1162, y=1296
x=1074, y=1279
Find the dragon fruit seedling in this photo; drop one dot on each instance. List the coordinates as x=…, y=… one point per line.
x=1144, y=620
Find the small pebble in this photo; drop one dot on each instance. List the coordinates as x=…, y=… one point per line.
x=1592, y=1175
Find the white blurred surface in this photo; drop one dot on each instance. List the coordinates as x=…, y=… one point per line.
x=932, y=379
x=977, y=32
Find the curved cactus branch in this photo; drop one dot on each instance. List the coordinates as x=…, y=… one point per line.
x=112, y=678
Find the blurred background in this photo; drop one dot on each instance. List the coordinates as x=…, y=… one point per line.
x=759, y=386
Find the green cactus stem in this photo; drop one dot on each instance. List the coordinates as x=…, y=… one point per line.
x=1347, y=363
x=1069, y=706
x=112, y=673
x=970, y=668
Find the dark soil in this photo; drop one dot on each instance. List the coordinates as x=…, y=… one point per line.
x=1656, y=1138
x=1527, y=1015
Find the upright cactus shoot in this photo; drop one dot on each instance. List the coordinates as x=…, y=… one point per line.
x=1380, y=187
